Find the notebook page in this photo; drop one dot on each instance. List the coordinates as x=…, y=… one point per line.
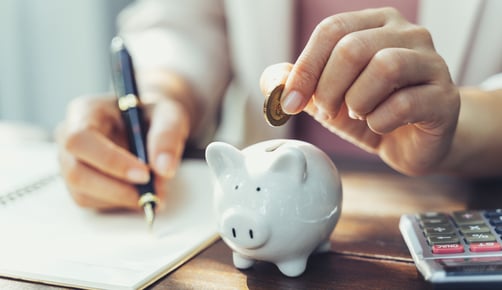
x=26, y=162
x=46, y=237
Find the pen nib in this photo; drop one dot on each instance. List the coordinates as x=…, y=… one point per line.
x=149, y=214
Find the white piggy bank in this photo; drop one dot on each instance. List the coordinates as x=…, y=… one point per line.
x=276, y=201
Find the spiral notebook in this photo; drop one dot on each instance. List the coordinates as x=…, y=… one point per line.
x=47, y=238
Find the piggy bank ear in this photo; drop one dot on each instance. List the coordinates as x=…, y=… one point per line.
x=222, y=157
x=290, y=161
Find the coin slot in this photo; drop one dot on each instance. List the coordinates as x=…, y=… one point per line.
x=274, y=147
x=233, y=233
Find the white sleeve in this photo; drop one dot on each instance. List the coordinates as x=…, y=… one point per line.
x=187, y=37
x=492, y=83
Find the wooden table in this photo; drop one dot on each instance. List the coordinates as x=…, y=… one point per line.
x=367, y=249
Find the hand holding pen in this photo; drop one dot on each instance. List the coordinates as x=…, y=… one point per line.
x=99, y=170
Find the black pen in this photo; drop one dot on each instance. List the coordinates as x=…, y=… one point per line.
x=130, y=107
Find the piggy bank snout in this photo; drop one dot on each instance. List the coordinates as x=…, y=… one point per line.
x=244, y=228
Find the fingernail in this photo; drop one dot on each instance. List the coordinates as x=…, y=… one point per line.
x=138, y=175
x=292, y=102
x=163, y=163
x=355, y=116
x=352, y=115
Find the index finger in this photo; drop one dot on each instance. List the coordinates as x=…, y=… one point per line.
x=92, y=134
x=100, y=152
x=304, y=76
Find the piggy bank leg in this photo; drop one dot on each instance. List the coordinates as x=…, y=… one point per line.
x=323, y=247
x=241, y=262
x=293, y=268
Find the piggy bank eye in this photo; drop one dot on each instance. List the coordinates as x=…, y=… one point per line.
x=236, y=187
x=258, y=188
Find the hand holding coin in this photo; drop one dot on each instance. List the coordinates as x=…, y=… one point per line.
x=272, y=110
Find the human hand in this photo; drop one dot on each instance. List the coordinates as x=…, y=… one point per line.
x=376, y=80
x=98, y=168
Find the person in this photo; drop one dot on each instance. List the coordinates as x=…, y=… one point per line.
x=370, y=76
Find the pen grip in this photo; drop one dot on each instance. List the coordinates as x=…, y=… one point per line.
x=133, y=118
x=134, y=122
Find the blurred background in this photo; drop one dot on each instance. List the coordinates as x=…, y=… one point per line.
x=50, y=52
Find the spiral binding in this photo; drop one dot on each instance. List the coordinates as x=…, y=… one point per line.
x=13, y=195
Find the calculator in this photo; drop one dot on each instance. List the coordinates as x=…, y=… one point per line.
x=456, y=247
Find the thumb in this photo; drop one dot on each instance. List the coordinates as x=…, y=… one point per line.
x=273, y=76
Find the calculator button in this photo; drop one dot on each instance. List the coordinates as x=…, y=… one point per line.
x=434, y=223
x=496, y=221
x=443, y=239
x=485, y=247
x=498, y=229
x=493, y=213
x=479, y=237
x=477, y=228
x=447, y=249
x=467, y=217
x=439, y=229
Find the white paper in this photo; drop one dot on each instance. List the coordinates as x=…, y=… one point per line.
x=46, y=237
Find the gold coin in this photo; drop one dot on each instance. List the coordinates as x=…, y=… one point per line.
x=272, y=110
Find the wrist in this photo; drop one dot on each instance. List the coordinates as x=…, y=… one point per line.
x=476, y=145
